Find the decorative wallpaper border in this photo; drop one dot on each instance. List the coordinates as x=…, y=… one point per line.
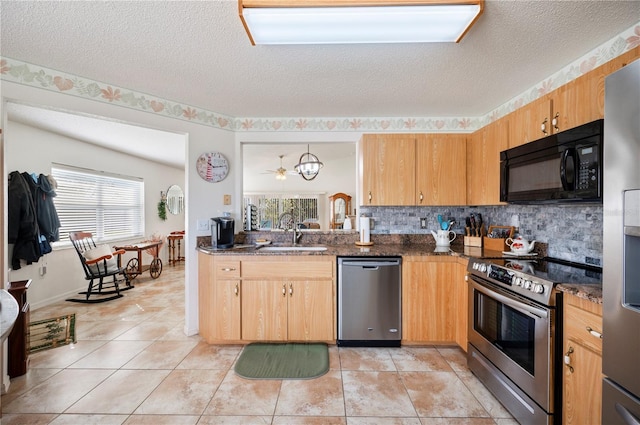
x=48, y=79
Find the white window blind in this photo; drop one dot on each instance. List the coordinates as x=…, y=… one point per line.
x=109, y=206
x=272, y=207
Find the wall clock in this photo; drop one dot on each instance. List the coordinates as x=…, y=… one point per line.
x=212, y=166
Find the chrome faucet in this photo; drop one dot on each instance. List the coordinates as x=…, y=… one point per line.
x=297, y=234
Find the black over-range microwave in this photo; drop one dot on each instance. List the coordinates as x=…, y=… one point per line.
x=564, y=167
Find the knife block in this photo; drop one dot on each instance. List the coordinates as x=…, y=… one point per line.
x=473, y=241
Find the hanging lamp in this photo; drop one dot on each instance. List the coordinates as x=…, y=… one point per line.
x=308, y=166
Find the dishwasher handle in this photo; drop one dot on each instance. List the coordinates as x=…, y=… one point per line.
x=370, y=264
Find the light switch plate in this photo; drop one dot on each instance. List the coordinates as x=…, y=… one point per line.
x=423, y=222
x=203, y=225
x=227, y=199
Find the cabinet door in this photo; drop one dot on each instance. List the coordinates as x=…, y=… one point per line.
x=388, y=169
x=441, y=169
x=428, y=303
x=310, y=314
x=525, y=124
x=579, y=101
x=264, y=310
x=483, y=163
x=226, y=314
x=582, y=395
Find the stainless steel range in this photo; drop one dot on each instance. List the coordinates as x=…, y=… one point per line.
x=515, y=335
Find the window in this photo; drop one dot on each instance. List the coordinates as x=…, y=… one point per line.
x=109, y=206
x=275, y=210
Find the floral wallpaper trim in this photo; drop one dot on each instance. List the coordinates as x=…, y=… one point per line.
x=37, y=76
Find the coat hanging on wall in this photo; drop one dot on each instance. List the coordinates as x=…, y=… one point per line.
x=32, y=218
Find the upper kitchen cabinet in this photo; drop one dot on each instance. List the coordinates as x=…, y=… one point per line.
x=388, y=169
x=531, y=122
x=413, y=169
x=483, y=163
x=441, y=169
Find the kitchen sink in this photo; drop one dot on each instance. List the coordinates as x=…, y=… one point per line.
x=293, y=248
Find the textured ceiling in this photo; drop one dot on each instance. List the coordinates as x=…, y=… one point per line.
x=197, y=53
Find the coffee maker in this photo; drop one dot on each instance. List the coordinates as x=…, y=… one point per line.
x=222, y=232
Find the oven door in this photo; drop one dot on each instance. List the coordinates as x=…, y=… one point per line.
x=516, y=335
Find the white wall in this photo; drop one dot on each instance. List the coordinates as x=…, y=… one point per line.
x=64, y=275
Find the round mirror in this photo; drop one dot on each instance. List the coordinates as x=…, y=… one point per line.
x=175, y=199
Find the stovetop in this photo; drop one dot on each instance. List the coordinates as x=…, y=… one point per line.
x=534, y=278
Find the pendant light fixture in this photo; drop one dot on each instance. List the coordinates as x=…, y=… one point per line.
x=308, y=166
x=358, y=21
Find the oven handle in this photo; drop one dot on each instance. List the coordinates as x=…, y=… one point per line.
x=524, y=308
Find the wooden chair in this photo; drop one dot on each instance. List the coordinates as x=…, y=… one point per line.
x=99, y=262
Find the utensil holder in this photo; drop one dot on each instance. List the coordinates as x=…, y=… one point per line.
x=473, y=241
x=495, y=244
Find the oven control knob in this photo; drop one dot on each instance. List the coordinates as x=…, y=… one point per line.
x=538, y=288
x=483, y=268
x=519, y=281
x=528, y=284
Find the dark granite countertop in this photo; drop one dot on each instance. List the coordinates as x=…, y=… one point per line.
x=592, y=293
x=343, y=243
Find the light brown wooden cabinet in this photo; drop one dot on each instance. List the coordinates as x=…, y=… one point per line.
x=582, y=377
x=441, y=169
x=387, y=164
x=278, y=298
x=483, y=163
x=434, y=295
x=218, y=298
x=461, y=287
x=413, y=169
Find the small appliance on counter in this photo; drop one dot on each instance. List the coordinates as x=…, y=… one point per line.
x=222, y=232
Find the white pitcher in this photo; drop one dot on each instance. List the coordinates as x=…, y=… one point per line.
x=444, y=237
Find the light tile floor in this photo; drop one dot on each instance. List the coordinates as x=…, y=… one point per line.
x=133, y=364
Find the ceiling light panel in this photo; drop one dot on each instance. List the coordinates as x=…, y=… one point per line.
x=370, y=24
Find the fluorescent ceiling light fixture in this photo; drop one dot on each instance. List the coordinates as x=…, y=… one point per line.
x=432, y=22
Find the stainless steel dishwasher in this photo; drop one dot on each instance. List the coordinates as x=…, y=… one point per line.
x=369, y=301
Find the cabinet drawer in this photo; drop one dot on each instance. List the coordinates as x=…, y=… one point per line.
x=270, y=270
x=578, y=324
x=227, y=269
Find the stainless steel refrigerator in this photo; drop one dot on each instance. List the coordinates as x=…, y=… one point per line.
x=621, y=260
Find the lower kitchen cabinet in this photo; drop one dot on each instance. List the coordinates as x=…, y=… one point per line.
x=277, y=298
x=218, y=298
x=461, y=288
x=582, y=377
x=429, y=301
x=285, y=310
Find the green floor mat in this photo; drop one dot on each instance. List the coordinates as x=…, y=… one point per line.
x=283, y=361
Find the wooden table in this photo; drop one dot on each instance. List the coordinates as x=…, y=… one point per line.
x=171, y=239
x=134, y=266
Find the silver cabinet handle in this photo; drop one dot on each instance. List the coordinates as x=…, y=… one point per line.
x=543, y=126
x=567, y=359
x=284, y=290
x=554, y=122
x=228, y=269
x=237, y=290
x=291, y=289
x=594, y=332
x=370, y=196
x=421, y=197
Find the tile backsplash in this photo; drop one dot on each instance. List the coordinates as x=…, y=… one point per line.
x=572, y=232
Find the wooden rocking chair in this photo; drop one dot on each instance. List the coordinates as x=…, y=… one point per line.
x=99, y=262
